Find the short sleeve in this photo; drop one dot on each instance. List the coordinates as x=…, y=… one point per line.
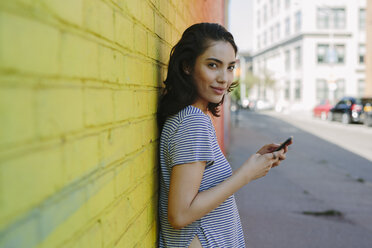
x=192, y=141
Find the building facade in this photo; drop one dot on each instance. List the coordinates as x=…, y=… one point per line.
x=308, y=51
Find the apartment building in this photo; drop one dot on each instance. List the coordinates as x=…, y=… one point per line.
x=309, y=50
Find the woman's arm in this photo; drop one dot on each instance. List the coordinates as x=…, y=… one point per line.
x=186, y=204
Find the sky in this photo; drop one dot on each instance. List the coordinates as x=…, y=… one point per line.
x=240, y=23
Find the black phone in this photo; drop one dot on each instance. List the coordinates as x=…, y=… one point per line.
x=285, y=143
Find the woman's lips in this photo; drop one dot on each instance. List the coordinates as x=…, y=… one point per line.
x=218, y=90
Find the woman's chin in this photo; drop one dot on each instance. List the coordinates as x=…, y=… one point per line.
x=216, y=100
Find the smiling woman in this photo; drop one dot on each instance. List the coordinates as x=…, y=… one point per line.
x=196, y=201
x=213, y=73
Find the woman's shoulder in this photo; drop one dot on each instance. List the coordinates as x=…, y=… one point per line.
x=191, y=115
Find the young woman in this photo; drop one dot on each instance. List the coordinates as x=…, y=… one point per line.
x=196, y=202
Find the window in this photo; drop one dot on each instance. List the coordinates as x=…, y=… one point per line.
x=361, y=87
x=264, y=38
x=361, y=53
x=287, y=60
x=340, y=89
x=340, y=54
x=287, y=26
x=287, y=90
x=258, y=19
x=339, y=18
x=298, y=57
x=298, y=21
x=362, y=18
x=298, y=89
x=322, y=51
x=322, y=18
x=278, y=30
x=321, y=89
x=265, y=14
x=278, y=5
x=331, y=18
x=258, y=42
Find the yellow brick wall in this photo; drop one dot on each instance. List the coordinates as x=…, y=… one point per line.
x=79, y=83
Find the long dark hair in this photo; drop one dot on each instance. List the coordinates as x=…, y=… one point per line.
x=180, y=90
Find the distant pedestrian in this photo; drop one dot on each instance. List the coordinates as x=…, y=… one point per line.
x=196, y=204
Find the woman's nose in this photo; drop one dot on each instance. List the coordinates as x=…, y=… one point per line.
x=222, y=77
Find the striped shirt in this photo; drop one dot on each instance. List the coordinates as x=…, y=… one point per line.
x=187, y=137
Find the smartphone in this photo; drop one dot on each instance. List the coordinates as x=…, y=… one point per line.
x=285, y=143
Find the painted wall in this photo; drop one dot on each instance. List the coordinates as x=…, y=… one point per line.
x=79, y=83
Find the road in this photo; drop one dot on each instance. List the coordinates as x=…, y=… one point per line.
x=320, y=196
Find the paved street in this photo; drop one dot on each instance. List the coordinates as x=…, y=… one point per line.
x=321, y=196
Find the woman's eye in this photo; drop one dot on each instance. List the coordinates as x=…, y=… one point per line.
x=231, y=68
x=212, y=65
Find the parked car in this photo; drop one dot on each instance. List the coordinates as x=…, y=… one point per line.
x=322, y=109
x=348, y=110
x=366, y=115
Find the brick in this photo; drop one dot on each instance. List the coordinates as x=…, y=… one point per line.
x=60, y=210
x=124, y=101
x=70, y=226
x=134, y=8
x=123, y=178
x=109, y=64
x=140, y=102
x=116, y=221
x=164, y=53
x=153, y=46
x=120, y=67
x=140, y=40
x=147, y=15
x=115, y=145
x=17, y=116
x=38, y=55
x=100, y=193
x=164, y=7
x=29, y=179
x=159, y=25
x=58, y=111
x=90, y=238
x=79, y=57
x=148, y=74
x=133, y=71
x=98, y=106
x=175, y=36
x=151, y=237
x=132, y=236
x=80, y=158
x=70, y=11
x=23, y=234
x=171, y=14
x=99, y=18
x=153, y=101
x=168, y=32
x=124, y=34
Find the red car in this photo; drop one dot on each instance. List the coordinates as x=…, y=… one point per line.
x=321, y=110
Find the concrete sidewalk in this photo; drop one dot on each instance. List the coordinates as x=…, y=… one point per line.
x=273, y=208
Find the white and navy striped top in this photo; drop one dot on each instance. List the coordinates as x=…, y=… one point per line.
x=187, y=137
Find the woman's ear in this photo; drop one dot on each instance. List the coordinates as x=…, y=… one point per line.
x=186, y=68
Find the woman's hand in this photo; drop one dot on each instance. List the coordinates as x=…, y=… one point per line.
x=258, y=165
x=269, y=148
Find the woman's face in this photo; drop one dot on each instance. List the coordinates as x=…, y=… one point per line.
x=213, y=73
